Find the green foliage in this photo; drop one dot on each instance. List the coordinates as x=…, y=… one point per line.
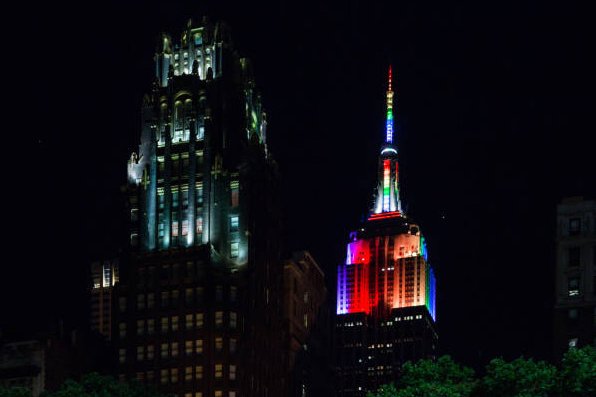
x=427, y=378
x=518, y=378
x=577, y=376
x=14, y=392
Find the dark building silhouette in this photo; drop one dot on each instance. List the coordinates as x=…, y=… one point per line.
x=575, y=302
x=385, y=289
x=307, y=328
x=198, y=309
x=104, y=276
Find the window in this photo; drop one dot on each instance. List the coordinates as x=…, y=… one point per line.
x=175, y=349
x=218, y=393
x=140, y=353
x=572, y=343
x=185, y=227
x=233, y=394
x=174, y=320
x=175, y=294
x=188, y=349
x=232, y=345
x=150, y=326
x=150, y=300
x=163, y=376
x=573, y=286
x=164, y=324
x=199, y=225
x=199, y=346
x=218, y=293
x=233, y=293
x=219, y=343
x=140, y=327
x=165, y=299
x=218, y=319
x=188, y=297
x=199, y=320
x=174, y=375
x=199, y=372
x=574, y=256
x=188, y=374
x=305, y=320
x=234, y=223
x=218, y=370
x=150, y=352
x=234, y=249
x=140, y=301
x=232, y=372
x=122, y=330
x=574, y=226
x=572, y=314
x=199, y=193
x=164, y=350
x=121, y=355
x=189, y=321
x=122, y=304
x=233, y=320
x=175, y=229
x=235, y=193
x=199, y=294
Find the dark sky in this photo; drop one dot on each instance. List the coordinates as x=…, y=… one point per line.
x=495, y=118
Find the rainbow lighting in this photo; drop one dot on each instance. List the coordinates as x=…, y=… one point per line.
x=388, y=250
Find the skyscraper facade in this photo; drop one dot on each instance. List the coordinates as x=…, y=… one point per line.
x=386, y=287
x=575, y=300
x=198, y=308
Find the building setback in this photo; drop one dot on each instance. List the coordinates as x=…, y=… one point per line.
x=198, y=310
x=385, y=289
x=575, y=301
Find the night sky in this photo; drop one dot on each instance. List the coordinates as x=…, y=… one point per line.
x=495, y=122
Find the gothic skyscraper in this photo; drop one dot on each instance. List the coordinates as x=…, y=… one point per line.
x=199, y=300
x=385, y=288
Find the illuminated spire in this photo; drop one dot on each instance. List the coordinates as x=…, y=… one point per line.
x=389, y=126
x=388, y=191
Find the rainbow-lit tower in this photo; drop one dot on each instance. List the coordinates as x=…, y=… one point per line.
x=386, y=287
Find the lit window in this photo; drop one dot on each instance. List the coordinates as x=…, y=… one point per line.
x=573, y=286
x=164, y=350
x=572, y=343
x=150, y=352
x=199, y=193
x=199, y=346
x=233, y=394
x=218, y=343
x=188, y=297
x=163, y=376
x=199, y=320
x=234, y=249
x=185, y=227
x=151, y=300
x=218, y=393
x=188, y=374
x=174, y=349
x=218, y=370
x=175, y=323
x=235, y=193
x=232, y=372
x=199, y=225
x=188, y=349
x=140, y=327
x=122, y=355
x=174, y=375
x=219, y=319
x=175, y=229
x=199, y=394
x=140, y=301
x=122, y=330
x=233, y=320
x=164, y=324
x=140, y=353
x=199, y=372
x=189, y=321
x=150, y=326
x=234, y=223
x=201, y=134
